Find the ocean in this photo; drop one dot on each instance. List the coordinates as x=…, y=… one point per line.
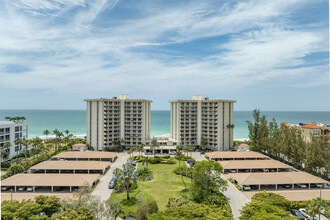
x=75, y=120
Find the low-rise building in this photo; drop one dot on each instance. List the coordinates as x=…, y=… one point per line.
x=9, y=131
x=314, y=129
x=86, y=155
x=235, y=155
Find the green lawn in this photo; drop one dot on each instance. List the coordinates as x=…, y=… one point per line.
x=164, y=185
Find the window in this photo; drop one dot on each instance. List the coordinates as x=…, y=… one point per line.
x=17, y=129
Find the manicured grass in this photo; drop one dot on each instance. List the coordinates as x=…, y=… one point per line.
x=164, y=185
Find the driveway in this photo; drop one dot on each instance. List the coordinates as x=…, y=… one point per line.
x=235, y=197
x=101, y=190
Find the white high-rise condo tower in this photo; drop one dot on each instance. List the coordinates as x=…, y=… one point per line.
x=211, y=119
x=112, y=120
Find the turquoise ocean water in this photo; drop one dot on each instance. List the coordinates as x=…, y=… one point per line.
x=75, y=120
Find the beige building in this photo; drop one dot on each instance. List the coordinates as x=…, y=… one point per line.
x=112, y=120
x=211, y=119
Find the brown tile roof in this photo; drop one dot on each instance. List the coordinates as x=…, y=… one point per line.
x=252, y=164
x=234, y=154
x=86, y=154
x=276, y=178
x=71, y=165
x=310, y=126
x=50, y=180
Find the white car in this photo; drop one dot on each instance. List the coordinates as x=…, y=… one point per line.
x=22, y=188
x=247, y=188
x=3, y=188
x=303, y=212
x=303, y=186
x=29, y=189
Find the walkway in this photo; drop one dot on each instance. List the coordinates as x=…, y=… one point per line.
x=102, y=190
x=235, y=197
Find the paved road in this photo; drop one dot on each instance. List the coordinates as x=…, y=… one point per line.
x=102, y=190
x=235, y=197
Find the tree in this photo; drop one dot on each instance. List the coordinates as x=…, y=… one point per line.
x=46, y=133
x=17, y=119
x=114, y=209
x=6, y=146
x=192, y=211
x=316, y=205
x=180, y=156
x=140, y=148
x=145, y=161
x=8, y=208
x=145, y=208
x=154, y=145
x=126, y=175
x=131, y=151
x=49, y=204
x=203, y=143
x=18, y=142
x=27, y=210
x=266, y=205
x=82, y=213
x=208, y=184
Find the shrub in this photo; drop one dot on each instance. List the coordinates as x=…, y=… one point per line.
x=146, y=208
x=144, y=174
x=171, y=161
x=181, y=170
x=5, y=165
x=166, y=157
x=133, y=185
x=238, y=187
x=231, y=180
x=155, y=160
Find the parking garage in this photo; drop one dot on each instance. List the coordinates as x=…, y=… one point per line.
x=47, y=182
x=235, y=155
x=160, y=149
x=254, y=166
x=277, y=181
x=86, y=167
x=86, y=156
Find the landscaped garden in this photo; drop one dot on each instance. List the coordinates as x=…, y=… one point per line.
x=166, y=188
x=165, y=184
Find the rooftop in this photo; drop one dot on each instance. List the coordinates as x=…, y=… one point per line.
x=70, y=165
x=252, y=164
x=86, y=154
x=50, y=180
x=276, y=178
x=235, y=154
x=310, y=126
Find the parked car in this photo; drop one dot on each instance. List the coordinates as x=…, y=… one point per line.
x=303, y=186
x=247, y=188
x=148, y=153
x=29, y=189
x=189, y=161
x=298, y=214
x=202, y=152
x=303, y=212
x=133, y=162
x=172, y=153
x=57, y=188
x=113, y=182
x=3, y=188
x=22, y=188
x=287, y=186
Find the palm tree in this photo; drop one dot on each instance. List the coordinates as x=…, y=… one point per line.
x=130, y=151
x=46, y=133
x=4, y=154
x=316, y=206
x=145, y=160
x=140, y=148
x=203, y=143
x=18, y=142
x=25, y=143
x=126, y=174
x=180, y=156
x=154, y=145
x=7, y=145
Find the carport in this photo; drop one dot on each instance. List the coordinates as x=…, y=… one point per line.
x=235, y=155
x=160, y=149
x=254, y=166
x=278, y=180
x=86, y=156
x=87, y=167
x=49, y=182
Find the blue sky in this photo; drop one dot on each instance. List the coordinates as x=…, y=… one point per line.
x=272, y=55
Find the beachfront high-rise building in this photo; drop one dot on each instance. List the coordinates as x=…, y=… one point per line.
x=211, y=119
x=116, y=119
x=9, y=131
